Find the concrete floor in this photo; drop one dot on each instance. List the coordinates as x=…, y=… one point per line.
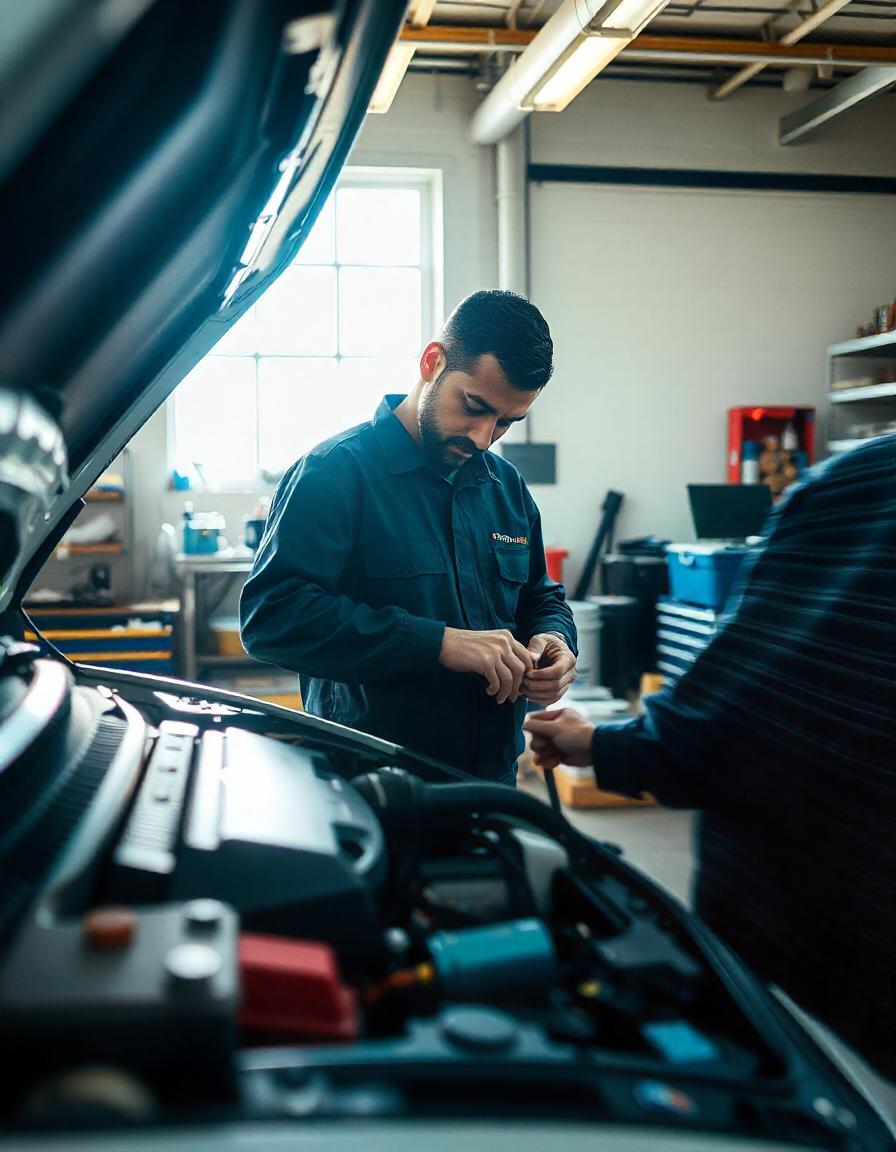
x=659, y=841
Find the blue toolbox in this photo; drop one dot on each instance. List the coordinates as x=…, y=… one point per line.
x=704, y=574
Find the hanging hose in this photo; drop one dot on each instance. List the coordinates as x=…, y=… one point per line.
x=407, y=807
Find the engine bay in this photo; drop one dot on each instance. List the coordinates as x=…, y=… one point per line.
x=211, y=909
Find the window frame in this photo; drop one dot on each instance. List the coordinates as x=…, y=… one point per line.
x=428, y=182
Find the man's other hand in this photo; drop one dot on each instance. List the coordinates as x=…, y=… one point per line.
x=560, y=737
x=496, y=655
x=553, y=669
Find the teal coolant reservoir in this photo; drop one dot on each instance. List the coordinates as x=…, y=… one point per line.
x=513, y=962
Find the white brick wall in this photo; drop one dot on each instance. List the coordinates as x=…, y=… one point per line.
x=426, y=127
x=676, y=126
x=669, y=306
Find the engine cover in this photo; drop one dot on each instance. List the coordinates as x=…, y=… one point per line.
x=265, y=828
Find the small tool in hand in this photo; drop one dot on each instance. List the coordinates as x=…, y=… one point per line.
x=552, y=790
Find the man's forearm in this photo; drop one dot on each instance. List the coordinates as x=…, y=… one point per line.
x=331, y=637
x=628, y=758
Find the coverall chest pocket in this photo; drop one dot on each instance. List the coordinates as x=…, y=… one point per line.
x=511, y=573
x=406, y=573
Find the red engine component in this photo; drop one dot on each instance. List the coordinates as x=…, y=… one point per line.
x=294, y=988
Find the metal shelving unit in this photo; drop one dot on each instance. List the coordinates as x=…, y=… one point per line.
x=880, y=345
x=867, y=408
x=867, y=392
x=68, y=563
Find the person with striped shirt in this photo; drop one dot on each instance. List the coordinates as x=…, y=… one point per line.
x=783, y=733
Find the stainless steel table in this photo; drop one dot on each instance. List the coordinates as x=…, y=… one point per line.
x=229, y=561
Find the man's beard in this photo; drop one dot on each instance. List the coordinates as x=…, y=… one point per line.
x=436, y=446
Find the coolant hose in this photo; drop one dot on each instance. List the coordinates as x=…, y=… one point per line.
x=404, y=803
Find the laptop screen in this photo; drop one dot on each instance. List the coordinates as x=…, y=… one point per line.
x=729, y=511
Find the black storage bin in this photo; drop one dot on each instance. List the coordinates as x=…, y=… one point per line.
x=645, y=576
x=618, y=639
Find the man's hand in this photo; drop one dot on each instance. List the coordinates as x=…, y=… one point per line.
x=554, y=669
x=496, y=655
x=560, y=737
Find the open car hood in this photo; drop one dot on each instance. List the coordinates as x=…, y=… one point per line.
x=160, y=164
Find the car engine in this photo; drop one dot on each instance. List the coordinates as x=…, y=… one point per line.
x=207, y=908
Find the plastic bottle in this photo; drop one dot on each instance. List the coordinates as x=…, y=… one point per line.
x=185, y=524
x=749, y=465
x=790, y=442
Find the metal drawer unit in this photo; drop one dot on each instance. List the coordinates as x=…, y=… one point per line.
x=683, y=631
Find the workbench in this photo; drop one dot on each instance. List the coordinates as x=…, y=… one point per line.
x=191, y=570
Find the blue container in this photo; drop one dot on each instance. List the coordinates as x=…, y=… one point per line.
x=514, y=961
x=202, y=532
x=704, y=573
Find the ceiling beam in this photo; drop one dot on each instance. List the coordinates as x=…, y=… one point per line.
x=420, y=11
x=399, y=59
x=861, y=55
x=698, y=49
x=846, y=95
x=458, y=39
x=818, y=17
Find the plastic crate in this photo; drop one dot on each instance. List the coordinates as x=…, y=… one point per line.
x=704, y=573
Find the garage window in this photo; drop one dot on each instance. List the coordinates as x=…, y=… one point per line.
x=342, y=326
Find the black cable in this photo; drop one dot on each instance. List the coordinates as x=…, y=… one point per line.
x=56, y=653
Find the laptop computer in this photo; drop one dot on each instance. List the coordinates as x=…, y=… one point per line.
x=728, y=513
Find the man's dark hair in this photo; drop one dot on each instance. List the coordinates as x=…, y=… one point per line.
x=509, y=328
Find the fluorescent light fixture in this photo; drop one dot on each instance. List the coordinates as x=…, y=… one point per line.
x=391, y=77
x=588, y=56
x=632, y=15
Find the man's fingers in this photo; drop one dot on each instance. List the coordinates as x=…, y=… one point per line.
x=542, y=687
x=493, y=682
x=552, y=672
x=522, y=653
x=505, y=676
x=537, y=691
x=517, y=670
x=541, y=723
x=536, y=648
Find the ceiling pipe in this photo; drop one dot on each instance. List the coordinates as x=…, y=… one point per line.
x=815, y=58
x=500, y=112
x=825, y=12
x=511, y=204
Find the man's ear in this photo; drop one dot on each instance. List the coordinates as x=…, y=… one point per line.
x=432, y=362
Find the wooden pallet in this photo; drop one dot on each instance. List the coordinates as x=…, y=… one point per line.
x=583, y=792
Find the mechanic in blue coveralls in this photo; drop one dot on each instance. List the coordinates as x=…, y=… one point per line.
x=402, y=571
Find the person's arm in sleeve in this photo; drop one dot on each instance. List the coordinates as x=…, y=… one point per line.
x=291, y=611
x=721, y=734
